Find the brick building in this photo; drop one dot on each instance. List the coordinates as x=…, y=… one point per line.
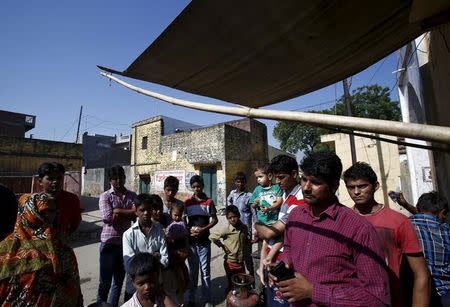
x=163, y=146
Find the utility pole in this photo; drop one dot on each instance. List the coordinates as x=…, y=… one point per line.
x=348, y=105
x=79, y=121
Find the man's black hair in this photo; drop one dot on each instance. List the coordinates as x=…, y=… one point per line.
x=153, y=200
x=143, y=264
x=172, y=182
x=198, y=179
x=325, y=165
x=47, y=168
x=232, y=209
x=241, y=177
x=360, y=170
x=116, y=171
x=432, y=202
x=283, y=164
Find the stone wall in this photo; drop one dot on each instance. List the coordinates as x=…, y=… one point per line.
x=23, y=156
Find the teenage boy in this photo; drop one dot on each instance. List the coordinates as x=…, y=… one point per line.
x=201, y=216
x=144, y=236
x=285, y=172
x=395, y=231
x=51, y=179
x=335, y=253
x=171, y=185
x=434, y=236
x=240, y=198
x=117, y=211
x=144, y=273
x=234, y=241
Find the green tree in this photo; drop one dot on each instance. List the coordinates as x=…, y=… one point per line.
x=371, y=101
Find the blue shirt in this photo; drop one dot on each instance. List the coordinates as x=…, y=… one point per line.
x=435, y=239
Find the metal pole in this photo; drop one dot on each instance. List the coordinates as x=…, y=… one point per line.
x=348, y=105
x=79, y=121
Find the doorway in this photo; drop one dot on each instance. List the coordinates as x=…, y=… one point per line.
x=209, y=174
x=144, y=184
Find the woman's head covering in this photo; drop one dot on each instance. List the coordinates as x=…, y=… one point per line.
x=33, y=243
x=37, y=268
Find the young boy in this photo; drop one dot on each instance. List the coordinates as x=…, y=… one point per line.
x=158, y=214
x=240, y=197
x=201, y=216
x=144, y=236
x=171, y=185
x=234, y=241
x=144, y=273
x=266, y=199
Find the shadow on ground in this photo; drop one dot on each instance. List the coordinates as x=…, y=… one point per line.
x=88, y=203
x=86, y=234
x=218, y=287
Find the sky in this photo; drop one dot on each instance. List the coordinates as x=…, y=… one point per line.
x=49, y=51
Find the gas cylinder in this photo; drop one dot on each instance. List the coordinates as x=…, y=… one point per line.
x=242, y=295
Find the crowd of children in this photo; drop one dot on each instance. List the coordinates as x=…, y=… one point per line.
x=170, y=231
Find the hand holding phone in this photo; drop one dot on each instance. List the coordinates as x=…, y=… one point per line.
x=281, y=272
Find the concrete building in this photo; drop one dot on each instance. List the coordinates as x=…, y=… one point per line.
x=382, y=156
x=21, y=157
x=162, y=146
x=424, y=99
x=100, y=151
x=15, y=124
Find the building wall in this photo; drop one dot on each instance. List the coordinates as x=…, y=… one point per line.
x=101, y=151
x=436, y=81
x=184, y=151
x=382, y=156
x=229, y=147
x=95, y=181
x=413, y=99
x=20, y=159
x=15, y=124
x=19, y=155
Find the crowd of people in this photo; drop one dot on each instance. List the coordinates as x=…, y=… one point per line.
x=313, y=250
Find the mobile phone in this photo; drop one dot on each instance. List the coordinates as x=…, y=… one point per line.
x=281, y=272
x=393, y=196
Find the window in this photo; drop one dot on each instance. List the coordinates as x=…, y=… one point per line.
x=144, y=142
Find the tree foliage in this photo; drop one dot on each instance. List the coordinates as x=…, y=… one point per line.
x=371, y=101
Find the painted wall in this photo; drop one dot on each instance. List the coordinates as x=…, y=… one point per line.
x=382, y=156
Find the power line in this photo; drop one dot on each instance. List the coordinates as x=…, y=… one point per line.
x=377, y=70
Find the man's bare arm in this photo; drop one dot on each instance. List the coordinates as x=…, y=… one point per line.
x=422, y=281
x=268, y=232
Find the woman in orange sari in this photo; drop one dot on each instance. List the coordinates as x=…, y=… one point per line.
x=36, y=267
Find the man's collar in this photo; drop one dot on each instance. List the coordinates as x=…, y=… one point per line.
x=111, y=190
x=430, y=216
x=294, y=191
x=331, y=210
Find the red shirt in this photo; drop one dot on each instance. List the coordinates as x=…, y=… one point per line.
x=69, y=212
x=340, y=254
x=397, y=237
